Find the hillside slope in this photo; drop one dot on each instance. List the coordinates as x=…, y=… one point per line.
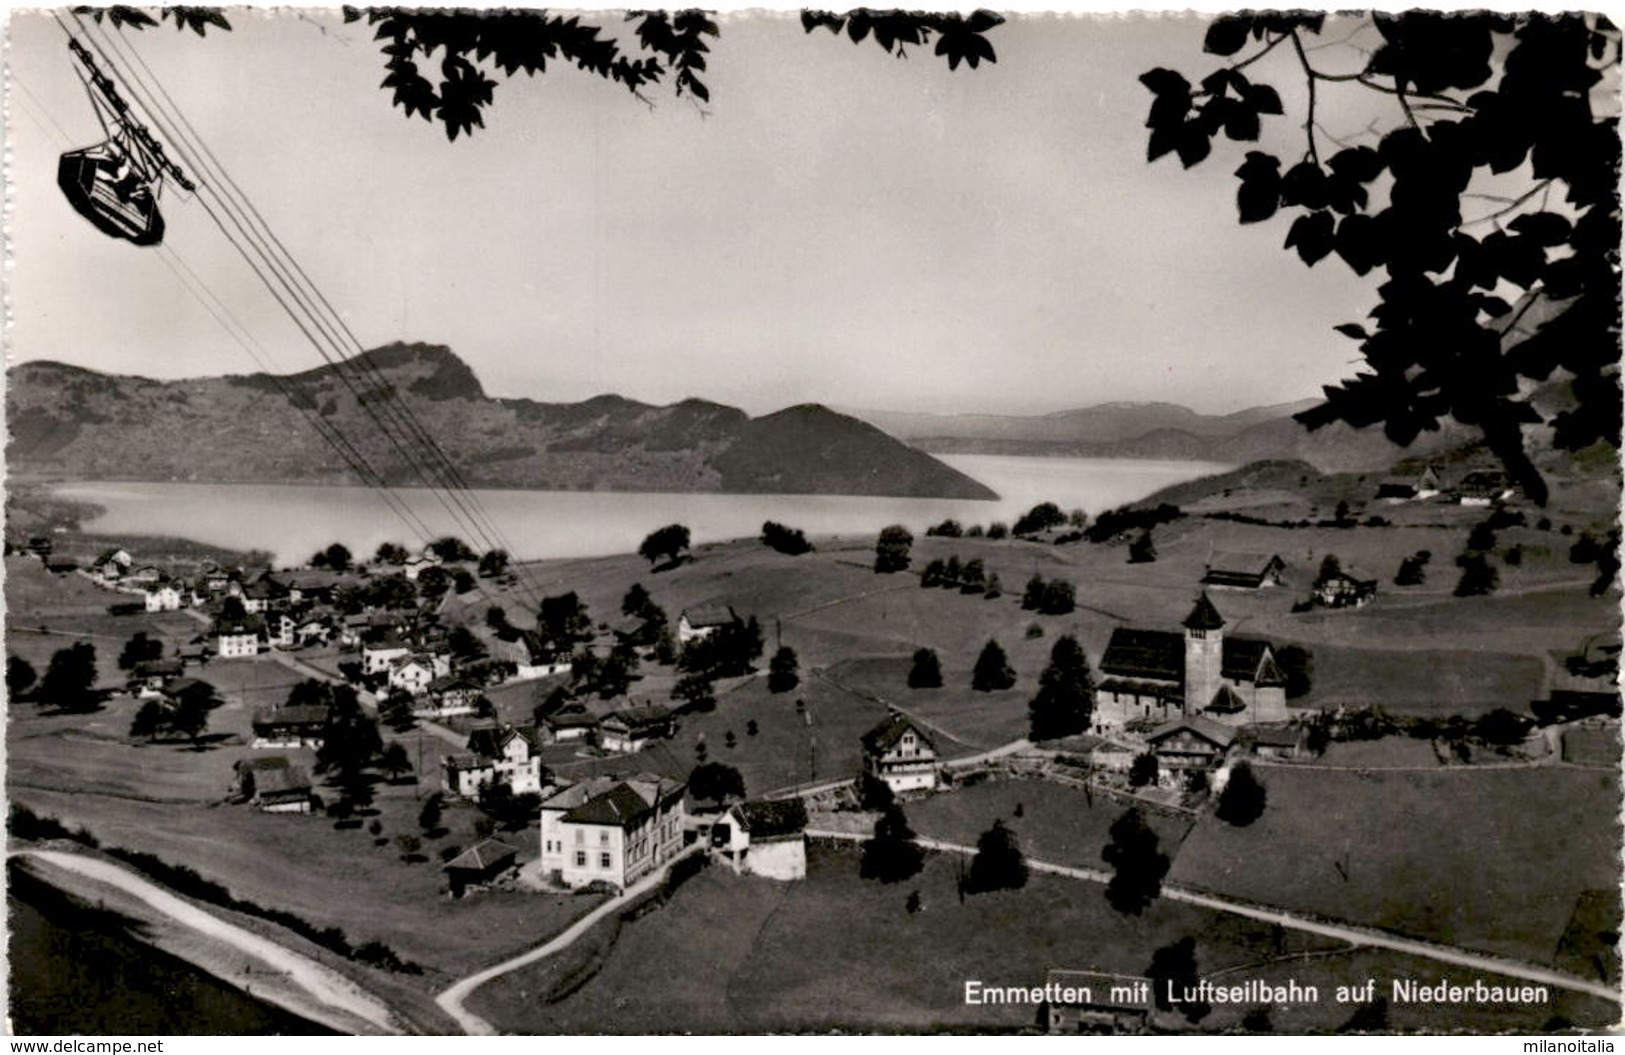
x=72, y=422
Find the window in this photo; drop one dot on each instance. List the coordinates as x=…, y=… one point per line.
x=603, y=860
x=581, y=859
x=581, y=837
x=603, y=838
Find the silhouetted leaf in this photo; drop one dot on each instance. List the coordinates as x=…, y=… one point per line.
x=1227, y=35
x=1312, y=236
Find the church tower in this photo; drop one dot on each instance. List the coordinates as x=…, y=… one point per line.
x=1204, y=655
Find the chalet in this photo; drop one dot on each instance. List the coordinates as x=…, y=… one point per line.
x=412, y=673
x=274, y=785
x=611, y=830
x=447, y=696
x=1159, y=675
x=1243, y=571
x=898, y=752
x=1096, y=1003
x=1189, y=743
x=377, y=656
x=312, y=629
x=312, y=584
x=239, y=638
x=763, y=838
x=497, y=754
x=148, y=676
x=111, y=565
x=260, y=595
x=1406, y=488
x=195, y=653
x=164, y=597
x=177, y=691
x=1277, y=742
x=146, y=575
x=285, y=727
x=479, y=865
x=634, y=728
x=524, y=649
x=696, y=623
x=281, y=630
x=1483, y=487
x=1343, y=590
x=573, y=724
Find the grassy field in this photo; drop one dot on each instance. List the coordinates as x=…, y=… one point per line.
x=1057, y=824
x=1486, y=859
x=752, y=955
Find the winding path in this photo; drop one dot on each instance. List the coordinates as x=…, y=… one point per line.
x=325, y=985
x=1354, y=935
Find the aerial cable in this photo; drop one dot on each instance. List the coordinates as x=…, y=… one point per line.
x=401, y=413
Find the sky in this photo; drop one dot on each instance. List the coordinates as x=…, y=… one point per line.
x=838, y=226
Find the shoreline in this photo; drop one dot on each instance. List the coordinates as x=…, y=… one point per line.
x=212, y=954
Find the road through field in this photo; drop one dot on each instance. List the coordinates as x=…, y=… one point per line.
x=1340, y=931
x=327, y=986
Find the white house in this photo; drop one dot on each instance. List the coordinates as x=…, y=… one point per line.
x=498, y=754
x=377, y=656
x=240, y=638
x=611, y=830
x=413, y=672
x=696, y=623
x=164, y=597
x=899, y=753
x=763, y=838
x=634, y=729
x=447, y=697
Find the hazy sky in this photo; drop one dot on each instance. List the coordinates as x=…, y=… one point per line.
x=843, y=227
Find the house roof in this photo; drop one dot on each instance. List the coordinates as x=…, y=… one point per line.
x=251, y=624
x=768, y=820
x=570, y=719
x=607, y=800
x=488, y=741
x=707, y=615
x=1216, y=733
x=155, y=668
x=1204, y=616
x=263, y=764
x=182, y=686
x=1238, y=561
x=884, y=737
x=453, y=683
x=487, y=855
x=1157, y=655
x=1249, y=659
x=635, y=719
x=1226, y=701
x=304, y=714
x=1276, y=736
x=288, y=780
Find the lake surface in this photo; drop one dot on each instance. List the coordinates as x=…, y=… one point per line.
x=292, y=522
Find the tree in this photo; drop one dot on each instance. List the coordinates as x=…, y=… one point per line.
x=1059, y=598
x=1033, y=595
x=1481, y=539
x=139, y=649
x=668, y=542
x=892, y=855
x=150, y=720
x=892, y=549
x=429, y=816
x=926, y=673
x=1066, y=693
x=729, y=740
x=433, y=582
x=786, y=540
x=462, y=581
x=993, y=671
x=1330, y=568
x=20, y=676
x=1039, y=518
x=751, y=728
x=1138, y=865
x=783, y=672
x=1243, y=799
x=1297, y=665
x=874, y=794
x=949, y=528
x=1142, y=550
x=396, y=761
x=69, y=677
x=390, y=553
x=190, y=715
x=1173, y=972
x=696, y=690
x=1143, y=770
x=972, y=576
x=636, y=601
x=1475, y=102
x=1478, y=576
x=998, y=864
x=562, y=621
x=494, y=564
x=451, y=549
x=409, y=845
x=336, y=556
x=1368, y=1018
x=232, y=610
x=716, y=782
x=1413, y=569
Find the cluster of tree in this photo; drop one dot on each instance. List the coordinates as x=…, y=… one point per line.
x=451, y=550
x=926, y=670
x=1143, y=770
x=1115, y=523
x=494, y=564
x=892, y=549
x=350, y=740
x=1297, y=665
x=336, y=556
x=787, y=540
x=140, y=649
x=1066, y=693
x=949, y=528
x=726, y=652
x=1142, y=550
x=608, y=676
x=1139, y=865
x=506, y=810
x=1173, y=973
x=381, y=591
x=1605, y=555
x=1046, y=515
x=783, y=670
x=562, y=623
x=715, y=782
x=969, y=577
x=434, y=581
x=992, y=672
x=391, y=553
x=1478, y=575
x=1413, y=570
x=186, y=717
x=666, y=544
x=1049, y=597
x=1243, y=798
x=653, y=630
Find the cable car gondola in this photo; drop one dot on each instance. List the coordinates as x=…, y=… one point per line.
x=109, y=185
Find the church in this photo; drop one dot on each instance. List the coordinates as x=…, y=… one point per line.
x=1159, y=675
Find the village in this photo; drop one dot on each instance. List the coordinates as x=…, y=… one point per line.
x=1212, y=674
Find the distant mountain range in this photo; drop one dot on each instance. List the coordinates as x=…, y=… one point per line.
x=77, y=423
x=1161, y=430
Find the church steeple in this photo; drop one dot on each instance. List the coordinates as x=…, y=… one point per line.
x=1204, y=616
x=1204, y=655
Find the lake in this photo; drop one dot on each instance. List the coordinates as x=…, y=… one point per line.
x=292, y=522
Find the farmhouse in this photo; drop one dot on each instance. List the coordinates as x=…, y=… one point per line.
x=447, y=696
x=524, y=649
x=634, y=728
x=763, y=839
x=272, y=784
x=284, y=727
x=1483, y=487
x=413, y=672
x=149, y=675
x=696, y=623
x=1243, y=571
x=1405, y=488
x=611, y=830
x=239, y=638
x=1278, y=742
x=498, y=754
x=1343, y=590
x=478, y=865
x=898, y=752
x=1158, y=675
x=1189, y=743
x=570, y=724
